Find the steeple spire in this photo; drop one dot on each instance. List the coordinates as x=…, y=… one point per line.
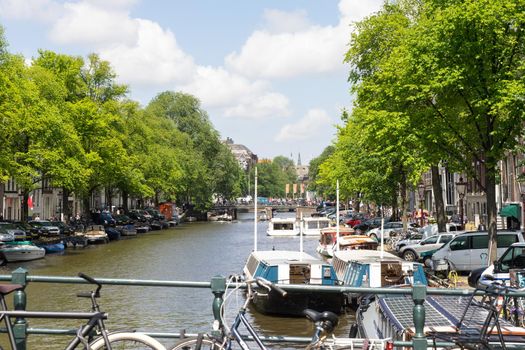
x=299, y=159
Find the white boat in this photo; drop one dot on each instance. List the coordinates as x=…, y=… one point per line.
x=283, y=227
x=20, y=251
x=96, y=234
x=375, y=269
x=293, y=268
x=456, y=319
x=312, y=226
x=348, y=239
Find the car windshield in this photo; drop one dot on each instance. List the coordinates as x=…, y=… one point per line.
x=8, y=226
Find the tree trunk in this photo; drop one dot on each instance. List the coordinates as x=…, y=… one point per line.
x=404, y=203
x=438, y=199
x=125, y=197
x=66, y=209
x=2, y=191
x=24, y=211
x=86, y=206
x=490, y=188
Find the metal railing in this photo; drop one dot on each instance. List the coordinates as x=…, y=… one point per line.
x=218, y=287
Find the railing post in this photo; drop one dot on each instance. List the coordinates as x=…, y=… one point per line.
x=19, y=276
x=218, y=287
x=419, y=294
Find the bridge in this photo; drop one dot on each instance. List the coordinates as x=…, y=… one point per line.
x=249, y=208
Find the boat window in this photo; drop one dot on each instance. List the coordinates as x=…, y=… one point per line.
x=324, y=224
x=251, y=265
x=283, y=226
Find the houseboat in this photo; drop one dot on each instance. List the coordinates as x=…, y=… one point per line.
x=328, y=241
x=283, y=227
x=312, y=226
x=457, y=319
x=374, y=269
x=293, y=268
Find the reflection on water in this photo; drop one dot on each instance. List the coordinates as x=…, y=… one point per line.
x=190, y=252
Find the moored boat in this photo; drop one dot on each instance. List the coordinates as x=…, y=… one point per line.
x=329, y=241
x=312, y=226
x=96, y=234
x=21, y=251
x=293, y=268
x=374, y=269
x=283, y=227
x=461, y=320
x=50, y=244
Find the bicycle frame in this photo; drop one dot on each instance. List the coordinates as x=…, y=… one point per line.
x=241, y=319
x=95, y=319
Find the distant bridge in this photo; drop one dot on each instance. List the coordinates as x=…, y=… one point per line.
x=249, y=208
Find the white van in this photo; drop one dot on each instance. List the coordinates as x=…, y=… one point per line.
x=469, y=250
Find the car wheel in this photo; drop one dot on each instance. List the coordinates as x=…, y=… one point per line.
x=409, y=255
x=374, y=236
x=428, y=262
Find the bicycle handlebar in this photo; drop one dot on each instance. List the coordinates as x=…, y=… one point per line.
x=91, y=280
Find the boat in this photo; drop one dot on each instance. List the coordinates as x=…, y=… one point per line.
x=20, y=251
x=50, y=244
x=96, y=234
x=283, y=227
x=293, y=268
x=461, y=320
x=127, y=230
x=348, y=239
x=113, y=233
x=375, y=269
x=312, y=226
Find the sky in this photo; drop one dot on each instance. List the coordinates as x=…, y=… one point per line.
x=270, y=74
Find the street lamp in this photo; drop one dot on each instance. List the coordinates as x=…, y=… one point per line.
x=421, y=193
x=461, y=187
x=521, y=183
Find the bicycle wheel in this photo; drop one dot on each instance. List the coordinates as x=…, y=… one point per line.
x=198, y=343
x=128, y=341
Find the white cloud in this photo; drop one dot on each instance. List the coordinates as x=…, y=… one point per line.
x=40, y=10
x=280, y=21
x=308, y=127
x=312, y=49
x=356, y=10
x=153, y=58
x=236, y=95
x=87, y=23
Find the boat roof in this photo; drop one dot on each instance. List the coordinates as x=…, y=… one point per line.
x=365, y=255
x=273, y=257
x=282, y=220
x=440, y=311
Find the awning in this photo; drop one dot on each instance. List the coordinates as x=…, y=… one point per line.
x=510, y=210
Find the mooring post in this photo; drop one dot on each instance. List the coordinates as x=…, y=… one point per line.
x=419, y=294
x=218, y=287
x=19, y=276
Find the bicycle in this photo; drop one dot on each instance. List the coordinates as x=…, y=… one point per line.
x=85, y=334
x=323, y=338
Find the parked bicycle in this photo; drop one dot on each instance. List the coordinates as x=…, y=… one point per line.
x=91, y=336
x=323, y=338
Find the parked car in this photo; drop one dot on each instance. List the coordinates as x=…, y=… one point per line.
x=355, y=219
x=408, y=239
x=412, y=252
x=137, y=215
x=64, y=228
x=468, y=250
x=388, y=228
x=155, y=214
x=44, y=228
x=370, y=224
x=103, y=218
x=13, y=231
x=512, y=258
x=432, y=229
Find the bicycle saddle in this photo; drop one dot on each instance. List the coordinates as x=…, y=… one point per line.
x=8, y=288
x=328, y=318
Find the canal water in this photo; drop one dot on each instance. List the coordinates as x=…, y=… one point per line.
x=189, y=252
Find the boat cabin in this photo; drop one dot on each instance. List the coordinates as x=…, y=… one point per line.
x=282, y=227
x=289, y=267
x=312, y=226
x=347, y=240
x=368, y=268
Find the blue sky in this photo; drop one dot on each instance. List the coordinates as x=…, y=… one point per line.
x=269, y=73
